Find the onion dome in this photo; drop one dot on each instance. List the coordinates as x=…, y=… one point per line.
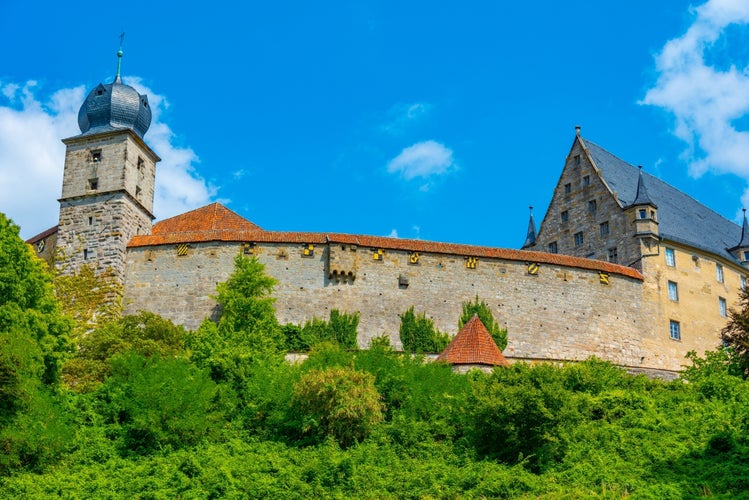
x=115, y=106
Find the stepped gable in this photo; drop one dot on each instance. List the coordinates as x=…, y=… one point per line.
x=473, y=345
x=681, y=218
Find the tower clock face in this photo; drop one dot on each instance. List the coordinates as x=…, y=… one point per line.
x=40, y=246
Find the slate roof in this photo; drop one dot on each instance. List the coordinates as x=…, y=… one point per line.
x=473, y=345
x=217, y=223
x=681, y=218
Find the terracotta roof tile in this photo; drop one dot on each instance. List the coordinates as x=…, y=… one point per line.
x=221, y=224
x=473, y=345
x=42, y=235
x=209, y=218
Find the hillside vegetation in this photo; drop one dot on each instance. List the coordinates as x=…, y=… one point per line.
x=140, y=408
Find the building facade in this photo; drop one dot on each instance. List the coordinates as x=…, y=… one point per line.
x=624, y=266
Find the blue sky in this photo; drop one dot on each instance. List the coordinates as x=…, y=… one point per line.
x=428, y=120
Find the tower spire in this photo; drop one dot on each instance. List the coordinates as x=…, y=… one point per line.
x=117, y=78
x=530, y=237
x=642, y=197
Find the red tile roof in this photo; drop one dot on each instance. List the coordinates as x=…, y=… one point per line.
x=209, y=218
x=217, y=223
x=473, y=345
x=42, y=235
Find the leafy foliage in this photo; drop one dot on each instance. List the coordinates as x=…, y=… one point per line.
x=158, y=402
x=339, y=329
x=248, y=317
x=28, y=307
x=418, y=334
x=338, y=402
x=735, y=335
x=89, y=299
x=484, y=313
x=144, y=333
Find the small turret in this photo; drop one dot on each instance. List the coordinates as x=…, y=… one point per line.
x=530, y=238
x=741, y=251
x=644, y=214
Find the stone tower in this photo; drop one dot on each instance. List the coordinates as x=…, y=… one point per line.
x=108, y=181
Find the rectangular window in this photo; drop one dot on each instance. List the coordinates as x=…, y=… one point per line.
x=577, y=160
x=586, y=181
x=565, y=216
x=719, y=273
x=90, y=221
x=670, y=257
x=93, y=184
x=604, y=227
x=592, y=205
x=579, y=239
x=613, y=255
x=673, y=291
x=553, y=247
x=85, y=254
x=643, y=213
x=722, y=307
x=567, y=188
x=675, y=330
x=96, y=155
x=743, y=282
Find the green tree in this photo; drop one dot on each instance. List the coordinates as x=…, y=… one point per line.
x=247, y=313
x=34, y=340
x=418, y=334
x=158, y=402
x=339, y=329
x=339, y=402
x=487, y=318
x=144, y=333
x=735, y=334
x=27, y=302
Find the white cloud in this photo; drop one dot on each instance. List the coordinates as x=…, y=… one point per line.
x=705, y=99
x=393, y=234
x=32, y=124
x=423, y=159
x=402, y=116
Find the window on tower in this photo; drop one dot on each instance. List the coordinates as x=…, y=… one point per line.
x=93, y=184
x=96, y=155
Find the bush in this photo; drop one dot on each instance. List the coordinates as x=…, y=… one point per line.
x=338, y=402
x=418, y=334
x=339, y=329
x=158, y=402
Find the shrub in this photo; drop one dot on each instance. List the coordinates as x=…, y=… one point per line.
x=338, y=402
x=418, y=334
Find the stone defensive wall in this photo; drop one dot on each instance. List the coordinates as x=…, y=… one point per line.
x=553, y=306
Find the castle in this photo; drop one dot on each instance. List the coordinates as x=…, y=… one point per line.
x=623, y=267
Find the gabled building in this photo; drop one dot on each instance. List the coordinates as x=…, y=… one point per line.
x=692, y=259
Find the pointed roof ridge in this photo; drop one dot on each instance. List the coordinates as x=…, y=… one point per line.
x=642, y=197
x=530, y=236
x=213, y=217
x=473, y=345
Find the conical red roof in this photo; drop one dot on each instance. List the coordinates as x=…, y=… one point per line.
x=473, y=345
